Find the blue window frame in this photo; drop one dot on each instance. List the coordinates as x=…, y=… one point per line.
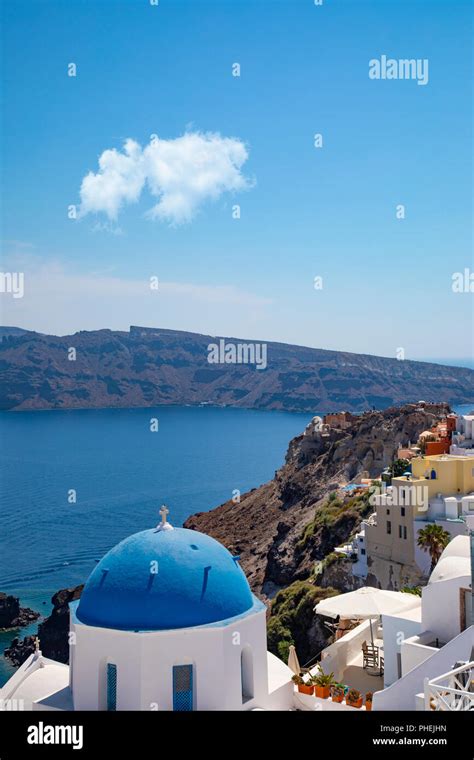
x=111, y=687
x=182, y=688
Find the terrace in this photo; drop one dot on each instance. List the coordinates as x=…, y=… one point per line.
x=345, y=658
x=345, y=661
x=357, y=658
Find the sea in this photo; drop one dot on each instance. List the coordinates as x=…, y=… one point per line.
x=76, y=482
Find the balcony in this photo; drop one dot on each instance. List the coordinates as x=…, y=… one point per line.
x=345, y=659
x=453, y=691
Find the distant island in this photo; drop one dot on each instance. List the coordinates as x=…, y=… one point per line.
x=148, y=367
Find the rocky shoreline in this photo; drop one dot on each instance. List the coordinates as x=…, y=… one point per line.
x=52, y=632
x=12, y=615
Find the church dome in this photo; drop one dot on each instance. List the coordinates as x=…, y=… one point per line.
x=162, y=579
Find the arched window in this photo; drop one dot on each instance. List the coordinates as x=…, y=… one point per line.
x=246, y=673
x=111, y=687
x=182, y=688
x=433, y=474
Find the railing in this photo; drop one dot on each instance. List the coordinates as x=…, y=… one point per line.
x=453, y=691
x=308, y=666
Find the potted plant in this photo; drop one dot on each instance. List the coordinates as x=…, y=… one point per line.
x=322, y=684
x=368, y=700
x=303, y=687
x=337, y=692
x=354, y=698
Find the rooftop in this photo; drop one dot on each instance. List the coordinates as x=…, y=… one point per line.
x=455, y=561
x=165, y=578
x=40, y=681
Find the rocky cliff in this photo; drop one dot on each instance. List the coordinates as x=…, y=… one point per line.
x=147, y=367
x=282, y=528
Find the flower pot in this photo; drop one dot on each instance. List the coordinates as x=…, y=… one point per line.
x=357, y=704
x=335, y=698
x=322, y=692
x=368, y=705
x=305, y=689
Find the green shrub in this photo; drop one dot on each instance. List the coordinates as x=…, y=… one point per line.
x=279, y=638
x=416, y=590
x=291, y=616
x=331, y=511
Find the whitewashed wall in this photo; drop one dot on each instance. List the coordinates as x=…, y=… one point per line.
x=145, y=665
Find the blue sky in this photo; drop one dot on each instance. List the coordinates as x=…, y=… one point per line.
x=328, y=212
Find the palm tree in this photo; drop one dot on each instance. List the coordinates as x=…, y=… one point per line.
x=433, y=539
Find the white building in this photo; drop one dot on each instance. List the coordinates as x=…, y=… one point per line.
x=462, y=442
x=445, y=612
x=465, y=426
x=386, y=544
x=422, y=649
x=166, y=621
x=358, y=548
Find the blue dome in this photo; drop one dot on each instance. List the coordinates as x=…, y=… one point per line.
x=164, y=579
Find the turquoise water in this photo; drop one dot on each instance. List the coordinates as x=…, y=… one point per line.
x=37, y=600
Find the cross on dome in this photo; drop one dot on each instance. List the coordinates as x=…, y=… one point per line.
x=164, y=524
x=37, y=652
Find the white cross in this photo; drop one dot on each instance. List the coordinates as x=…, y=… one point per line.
x=163, y=512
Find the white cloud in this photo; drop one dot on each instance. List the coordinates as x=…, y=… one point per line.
x=182, y=173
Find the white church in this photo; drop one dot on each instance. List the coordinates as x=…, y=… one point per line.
x=166, y=621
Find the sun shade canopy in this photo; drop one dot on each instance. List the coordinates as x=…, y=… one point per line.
x=366, y=603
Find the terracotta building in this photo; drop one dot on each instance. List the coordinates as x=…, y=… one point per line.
x=341, y=420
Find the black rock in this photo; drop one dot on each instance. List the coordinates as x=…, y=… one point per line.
x=52, y=632
x=12, y=615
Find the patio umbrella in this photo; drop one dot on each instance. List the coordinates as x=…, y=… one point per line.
x=367, y=602
x=293, y=662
